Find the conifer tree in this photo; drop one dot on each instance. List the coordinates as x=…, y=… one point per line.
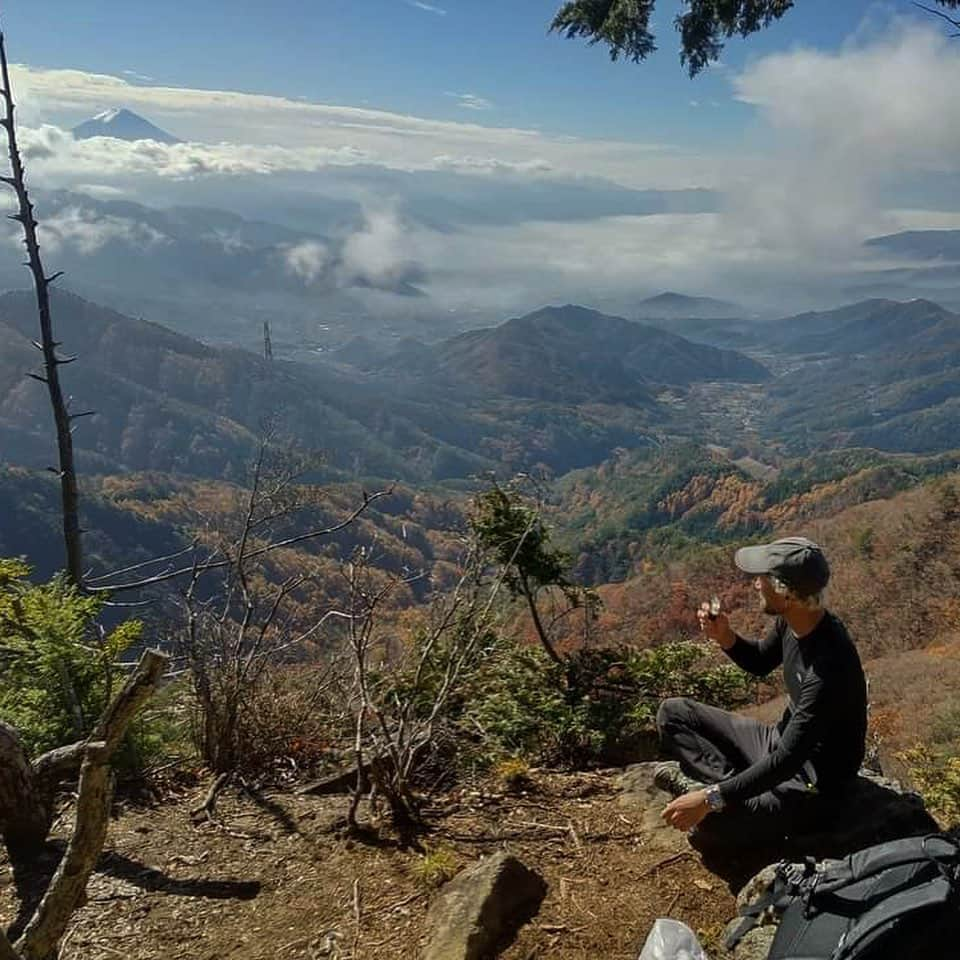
x=624, y=26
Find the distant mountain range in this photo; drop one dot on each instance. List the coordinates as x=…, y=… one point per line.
x=669, y=306
x=198, y=250
x=204, y=271
x=882, y=374
x=875, y=327
x=927, y=266
x=920, y=244
x=570, y=354
x=121, y=124
x=562, y=387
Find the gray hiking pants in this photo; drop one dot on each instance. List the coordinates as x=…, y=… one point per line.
x=712, y=745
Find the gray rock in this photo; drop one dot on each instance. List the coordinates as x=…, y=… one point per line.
x=478, y=913
x=645, y=801
x=343, y=781
x=756, y=886
x=873, y=811
x=756, y=944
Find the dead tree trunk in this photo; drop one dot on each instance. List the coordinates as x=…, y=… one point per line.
x=47, y=345
x=45, y=929
x=25, y=815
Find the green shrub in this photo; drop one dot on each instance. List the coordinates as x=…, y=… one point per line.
x=58, y=667
x=513, y=774
x=160, y=733
x=435, y=867
x=590, y=707
x=517, y=704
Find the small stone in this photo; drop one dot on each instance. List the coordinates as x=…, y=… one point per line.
x=756, y=944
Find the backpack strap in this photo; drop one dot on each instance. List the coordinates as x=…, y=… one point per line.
x=934, y=848
x=815, y=888
x=935, y=892
x=789, y=881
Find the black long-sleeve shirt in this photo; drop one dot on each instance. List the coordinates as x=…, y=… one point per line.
x=823, y=729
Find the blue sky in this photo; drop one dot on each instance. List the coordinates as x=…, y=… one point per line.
x=512, y=166
x=395, y=55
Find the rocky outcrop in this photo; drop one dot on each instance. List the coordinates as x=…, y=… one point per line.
x=875, y=810
x=479, y=912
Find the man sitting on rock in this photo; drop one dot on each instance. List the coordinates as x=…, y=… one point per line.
x=761, y=782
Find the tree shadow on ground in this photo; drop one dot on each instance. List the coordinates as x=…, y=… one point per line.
x=283, y=818
x=32, y=876
x=149, y=878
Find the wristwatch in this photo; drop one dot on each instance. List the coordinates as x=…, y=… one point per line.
x=715, y=799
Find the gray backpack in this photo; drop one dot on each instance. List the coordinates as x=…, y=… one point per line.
x=899, y=899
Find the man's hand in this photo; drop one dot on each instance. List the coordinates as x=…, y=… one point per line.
x=687, y=811
x=716, y=628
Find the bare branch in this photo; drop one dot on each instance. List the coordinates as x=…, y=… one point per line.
x=953, y=21
x=56, y=765
x=69, y=494
x=251, y=555
x=144, y=563
x=47, y=926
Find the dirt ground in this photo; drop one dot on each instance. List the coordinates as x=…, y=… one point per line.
x=274, y=878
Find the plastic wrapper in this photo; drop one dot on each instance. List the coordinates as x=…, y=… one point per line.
x=672, y=940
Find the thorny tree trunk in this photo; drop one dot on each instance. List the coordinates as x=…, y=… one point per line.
x=45, y=929
x=47, y=345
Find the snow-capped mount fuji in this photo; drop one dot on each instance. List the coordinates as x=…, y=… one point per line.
x=122, y=124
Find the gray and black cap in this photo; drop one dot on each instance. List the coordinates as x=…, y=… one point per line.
x=796, y=561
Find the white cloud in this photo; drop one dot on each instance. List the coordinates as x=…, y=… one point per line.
x=834, y=132
x=101, y=191
x=308, y=260
x=470, y=101
x=56, y=155
x=427, y=7
x=845, y=126
x=380, y=254
x=87, y=232
x=225, y=130
x=490, y=165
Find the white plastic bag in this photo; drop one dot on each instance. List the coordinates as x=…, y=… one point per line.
x=672, y=940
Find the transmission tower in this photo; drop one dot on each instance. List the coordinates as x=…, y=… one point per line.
x=267, y=345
